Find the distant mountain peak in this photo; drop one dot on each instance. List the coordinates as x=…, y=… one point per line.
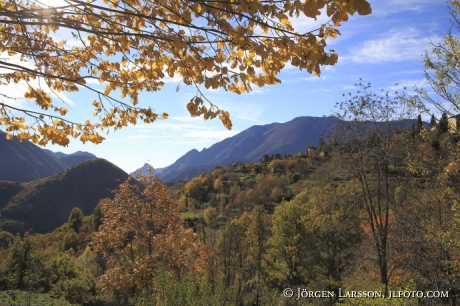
x=144, y=170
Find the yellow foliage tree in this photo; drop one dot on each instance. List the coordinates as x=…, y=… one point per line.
x=218, y=186
x=132, y=45
x=210, y=216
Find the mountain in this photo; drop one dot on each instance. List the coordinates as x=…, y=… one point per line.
x=144, y=170
x=45, y=204
x=250, y=145
x=24, y=161
x=71, y=159
x=62, y=155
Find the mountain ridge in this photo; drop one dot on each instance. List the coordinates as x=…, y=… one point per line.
x=52, y=198
x=249, y=145
x=23, y=161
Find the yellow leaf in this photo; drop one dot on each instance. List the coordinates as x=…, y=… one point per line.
x=285, y=20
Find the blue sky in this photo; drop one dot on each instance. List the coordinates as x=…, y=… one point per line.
x=384, y=48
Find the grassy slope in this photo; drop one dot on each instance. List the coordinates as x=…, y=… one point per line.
x=30, y=298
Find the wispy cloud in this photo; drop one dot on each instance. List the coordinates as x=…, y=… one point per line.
x=384, y=8
x=184, y=131
x=175, y=79
x=407, y=44
x=138, y=137
x=304, y=24
x=213, y=134
x=249, y=119
x=409, y=86
x=16, y=91
x=348, y=86
x=185, y=142
x=406, y=72
x=187, y=119
x=250, y=111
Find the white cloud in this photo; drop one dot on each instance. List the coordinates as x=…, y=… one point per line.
x=175, y=79
x=180, y=131
x=305, y=24
x=251, y=110
x=138, y=137
x=313, y=78
x=405, y=72
x=186, y=118
x=213, y=134
x=16, y=90
x=409, y=85
x=185, y=142
x=407, y=44
x=94, y=82
x=249, y=119
x=383, y=8
x=348, y=86
x=320, y=90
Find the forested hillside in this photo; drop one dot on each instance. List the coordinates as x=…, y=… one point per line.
x=23, y=161
x=373, y=208
x=42, y=205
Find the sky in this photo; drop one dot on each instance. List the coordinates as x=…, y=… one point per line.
x=385, y=48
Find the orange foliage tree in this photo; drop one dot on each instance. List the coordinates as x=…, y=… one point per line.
x=141, y=232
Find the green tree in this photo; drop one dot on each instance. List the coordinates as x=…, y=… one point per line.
x=70, y=240
x=443, y=123
x=76, y=219
x=71, y=280
x=25, y=266
x=419, y=124
x=433, y=121
x=257, y=235
x=97, y=217
x=6, y=238
x=290, y=242
x=334, y=225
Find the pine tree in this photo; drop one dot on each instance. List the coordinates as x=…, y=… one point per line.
x=433, y=121
x=444, y=123
x=419, y=124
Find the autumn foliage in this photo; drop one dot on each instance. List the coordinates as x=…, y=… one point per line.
x=131, y=46
x=141, y=232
